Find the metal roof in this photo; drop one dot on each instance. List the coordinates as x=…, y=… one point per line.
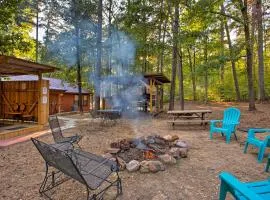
x=159, y=77
x=16, y=66
x=55, y=84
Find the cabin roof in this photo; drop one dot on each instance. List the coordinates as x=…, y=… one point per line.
x=159, y=77
x=16, y=66
x=55, y=84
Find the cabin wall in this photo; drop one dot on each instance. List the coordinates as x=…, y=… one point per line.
x=66, y=102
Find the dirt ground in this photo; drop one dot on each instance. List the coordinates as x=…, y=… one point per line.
x=195, y=177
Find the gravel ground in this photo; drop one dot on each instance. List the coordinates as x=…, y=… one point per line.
x=195, y=177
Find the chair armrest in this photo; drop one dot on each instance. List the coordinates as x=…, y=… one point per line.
x=252, y=132
x=235, y=184
x=215, y=121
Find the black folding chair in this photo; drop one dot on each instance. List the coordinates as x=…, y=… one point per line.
x=89, y=169
x=58, y=135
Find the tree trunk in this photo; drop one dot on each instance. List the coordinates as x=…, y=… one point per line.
x=235, y=79
x=222, y=64
x=260, y=51
x=192, y=73
x=162, y=57
x=99, y=52
x=37, y=24
x=175, y=26
x=78, y=59
x=249, y=53
x=181, y=79
x=205, y=53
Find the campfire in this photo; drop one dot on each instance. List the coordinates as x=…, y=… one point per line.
x=148, y=154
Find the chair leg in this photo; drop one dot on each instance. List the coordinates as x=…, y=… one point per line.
x=228, y=138
x=261, y=154
x=246, y=146
x=223, y=190
x=211, y=134
x=267, y=165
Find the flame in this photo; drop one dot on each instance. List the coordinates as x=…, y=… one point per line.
x=149, y=155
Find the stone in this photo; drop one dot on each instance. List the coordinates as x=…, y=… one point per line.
x=121, y=162
x=133, y=166
x=144, y=167
x=174, y=137
x=107, y=155
x=151, y=166
x=170, y=138
x=183, y=152
x=155, y=166
x=167, y=137
x=181, y=144
x=167, y=159
x=175, y=152
x=113, y=150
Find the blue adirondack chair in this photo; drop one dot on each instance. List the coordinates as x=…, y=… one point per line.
x=258, y=190
x=267, y=164
x=230, y=120
x=261, y=144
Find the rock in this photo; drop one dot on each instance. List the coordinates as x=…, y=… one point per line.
x=155, y=166
x=151, y=166
x=170, y=138
x=144, y=167
x=107, y=155
x=183, y=152
x=167, y=159
x=122, y=163
x=167, y=137
x=181, y=144
x=174, y=137
x=175, y=152
x=113, y=150
x=133, y=166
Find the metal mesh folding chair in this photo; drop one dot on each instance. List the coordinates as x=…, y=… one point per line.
x=95, y=172
x=57, y=132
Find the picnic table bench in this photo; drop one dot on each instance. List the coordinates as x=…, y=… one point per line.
x=188, y=116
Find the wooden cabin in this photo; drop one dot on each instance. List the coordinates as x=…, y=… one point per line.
x=63, y=96
x=133, y=92
x=20, y=100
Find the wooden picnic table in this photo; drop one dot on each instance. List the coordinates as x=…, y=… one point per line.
x=189, y=116
x=109, y=113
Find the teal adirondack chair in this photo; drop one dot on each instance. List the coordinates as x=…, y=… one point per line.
x=267, y=164
x=230, y=120
x=258, y=190
x=261, y=144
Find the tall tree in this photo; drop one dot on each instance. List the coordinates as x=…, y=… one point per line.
x=259, y=16
x=249, y=52
x=99, y=52
x=232, y=57
x=175, y=27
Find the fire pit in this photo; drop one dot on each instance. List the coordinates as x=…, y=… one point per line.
x=148, y=154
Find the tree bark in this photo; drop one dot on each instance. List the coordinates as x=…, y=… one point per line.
x=260, y=50
x=78, y=59
x=175, y=26
x=99, y=52
x=205, y=53
x=192, y=72
x=222, y=64
x=235, y=79
x=181, y=79
x=249, y=54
